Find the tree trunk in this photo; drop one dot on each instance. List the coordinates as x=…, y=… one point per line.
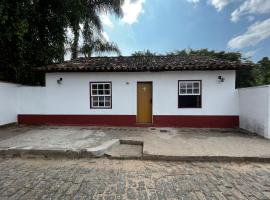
x=74, y=46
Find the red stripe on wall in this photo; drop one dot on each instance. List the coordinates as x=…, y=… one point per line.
x=202, y=121
x=195, y=121
x=88, y=120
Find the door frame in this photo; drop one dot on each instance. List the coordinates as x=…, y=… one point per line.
x=152, y=118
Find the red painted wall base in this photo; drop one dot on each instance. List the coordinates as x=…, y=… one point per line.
x=195, y=121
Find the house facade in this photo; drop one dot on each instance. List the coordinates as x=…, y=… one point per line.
x=159, y=91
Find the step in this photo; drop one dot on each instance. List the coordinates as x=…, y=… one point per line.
x=126, y=151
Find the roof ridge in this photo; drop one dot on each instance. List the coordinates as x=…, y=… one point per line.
x=146, y=63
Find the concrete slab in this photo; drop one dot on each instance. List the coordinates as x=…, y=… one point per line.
x=66, y=137
x=161, y=143
x=204, y=143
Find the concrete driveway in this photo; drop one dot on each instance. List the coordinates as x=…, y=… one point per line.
x=157, y=142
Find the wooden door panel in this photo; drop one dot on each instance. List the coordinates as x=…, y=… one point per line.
x=144, y=102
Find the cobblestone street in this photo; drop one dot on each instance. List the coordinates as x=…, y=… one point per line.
x=130, y=179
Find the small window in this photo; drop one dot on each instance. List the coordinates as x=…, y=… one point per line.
x=189, y=94
x=101, y=95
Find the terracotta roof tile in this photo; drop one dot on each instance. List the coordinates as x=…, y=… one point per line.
x=144, y=63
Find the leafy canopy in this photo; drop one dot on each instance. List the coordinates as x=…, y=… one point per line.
x=258, y=75
x=33, y=33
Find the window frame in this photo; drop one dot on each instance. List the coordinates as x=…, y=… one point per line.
x=200, y=94
x=90, y=90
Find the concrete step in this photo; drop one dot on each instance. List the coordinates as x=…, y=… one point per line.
x=125, y=151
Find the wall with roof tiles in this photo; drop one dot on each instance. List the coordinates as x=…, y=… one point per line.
x=72, y=95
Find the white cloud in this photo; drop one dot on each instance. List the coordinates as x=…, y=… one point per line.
x=105, y=19
x=132, y=10
x=219, y=4
x=256, y=33
x=251, y=53
x=251, y=7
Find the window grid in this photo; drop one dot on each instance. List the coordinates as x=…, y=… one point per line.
x=189, y=88
x=100, y=95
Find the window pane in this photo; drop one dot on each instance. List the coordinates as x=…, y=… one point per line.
x=107, y=98
x=101, y=103
x=183, y=91
x=108, y=103
x=196, y=85
x=100, y=92
x=95, y=98
x=196, y=91
x=107, y=86
x=95, y=104
x=94, y=92
x=189, y=85
x=100, y=86
x=101, y=98
x=189, y=91
x=94, y=86
x=182, y=85
x=189, y=101
x=107, y=92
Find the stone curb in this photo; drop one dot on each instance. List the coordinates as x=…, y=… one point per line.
x=100, y=151
x=131, y=141
x=31, y=152
x=39, y=153
x=205, y=158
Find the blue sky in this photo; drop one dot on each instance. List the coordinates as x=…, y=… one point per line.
x=167, y=25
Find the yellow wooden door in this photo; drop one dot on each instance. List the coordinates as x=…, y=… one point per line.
x=144, y=102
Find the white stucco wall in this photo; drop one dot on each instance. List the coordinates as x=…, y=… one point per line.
x=72, y=96
x=254, y=105
x=8, y=103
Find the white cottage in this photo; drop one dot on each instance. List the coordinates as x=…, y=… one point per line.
x=158, y=91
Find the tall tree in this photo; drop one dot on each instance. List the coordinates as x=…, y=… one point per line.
x=89, y=17
x=94, y=42
x=143, y=53
x=33, y=33
x=261, y=72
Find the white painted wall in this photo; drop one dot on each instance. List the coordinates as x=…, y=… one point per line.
x=8, y=103
x=72, y=96
x=33, y=100
x=254, y=107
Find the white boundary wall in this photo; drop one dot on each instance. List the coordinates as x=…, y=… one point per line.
x=8, y=102
x=254, y=108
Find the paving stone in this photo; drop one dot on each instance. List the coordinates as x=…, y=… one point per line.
x=132, y=179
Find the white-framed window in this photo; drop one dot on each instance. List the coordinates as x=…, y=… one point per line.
x=189, y=94
x=189, y=87
x=100, y=95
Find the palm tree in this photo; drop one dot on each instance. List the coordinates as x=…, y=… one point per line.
x=87, y=12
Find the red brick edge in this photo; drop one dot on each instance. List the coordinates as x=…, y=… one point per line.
x=194, y=121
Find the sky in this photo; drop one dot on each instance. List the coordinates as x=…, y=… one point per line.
x=166, y=25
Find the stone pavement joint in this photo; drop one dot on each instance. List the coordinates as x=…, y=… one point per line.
x=129, y=179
